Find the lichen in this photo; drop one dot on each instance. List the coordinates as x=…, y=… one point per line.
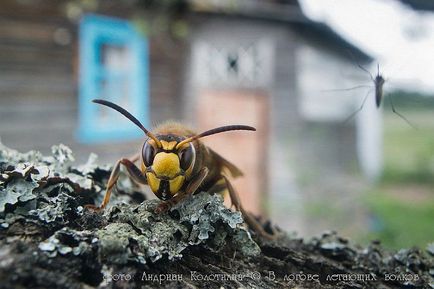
x=49, y=240
x=49, y=190
x=16, y=190
x=137, y=233
x=68, y=241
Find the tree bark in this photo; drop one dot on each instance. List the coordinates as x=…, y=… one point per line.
x=48, y=240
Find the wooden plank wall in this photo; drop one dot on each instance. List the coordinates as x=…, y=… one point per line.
x=37, y=92
x=38, y=88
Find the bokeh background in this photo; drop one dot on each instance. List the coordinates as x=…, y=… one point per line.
x=289, y=68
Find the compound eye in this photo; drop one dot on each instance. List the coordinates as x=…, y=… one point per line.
x=187, y=156
x=148, y=153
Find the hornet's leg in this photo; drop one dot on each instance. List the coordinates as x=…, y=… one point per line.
x=133, y=171
x=191, y=188
x=250, y=220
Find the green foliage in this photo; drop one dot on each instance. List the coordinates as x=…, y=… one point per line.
x=404, y=100
x=402, y=204
x=399, y=223
x=409, y=153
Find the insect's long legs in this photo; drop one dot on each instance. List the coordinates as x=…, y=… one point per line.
x=347, y=89
x=250, y=220
x=133, y=171
x=398, y=114
x=359, y=109
x=361, y=67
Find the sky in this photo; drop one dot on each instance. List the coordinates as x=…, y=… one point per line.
x=399, y=38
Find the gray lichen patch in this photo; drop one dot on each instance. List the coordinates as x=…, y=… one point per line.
x=49, y=240
x=138, y=234
x=46, y=188
x=114, y=242
x=68, y=241
x=49, y=190
x=17, y=190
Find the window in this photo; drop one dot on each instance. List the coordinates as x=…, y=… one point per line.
x=243, y=65
x=114, y=67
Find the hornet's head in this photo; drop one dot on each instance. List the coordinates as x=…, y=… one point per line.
x=168, y=159
x=167, y=165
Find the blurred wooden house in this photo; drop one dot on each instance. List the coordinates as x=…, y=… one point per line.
x=261, y=63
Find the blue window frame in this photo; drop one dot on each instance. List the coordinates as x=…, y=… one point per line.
x=114, y=67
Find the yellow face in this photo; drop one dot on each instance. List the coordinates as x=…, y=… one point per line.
x=166, y=168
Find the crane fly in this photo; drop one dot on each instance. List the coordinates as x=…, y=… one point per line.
x=378, y=82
